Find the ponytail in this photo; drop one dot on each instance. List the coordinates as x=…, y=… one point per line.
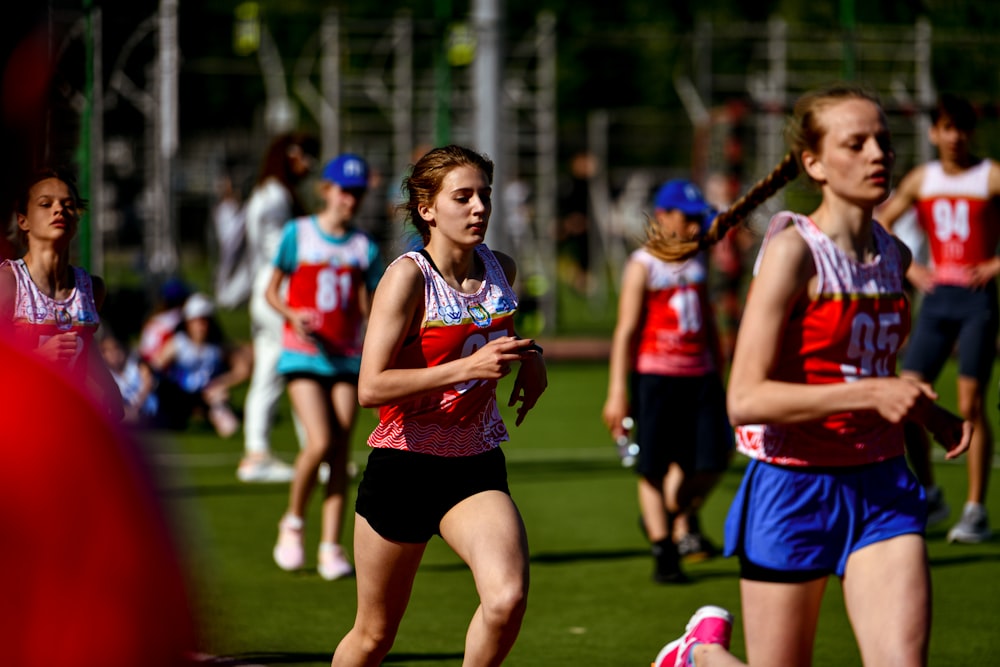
x=672, y=250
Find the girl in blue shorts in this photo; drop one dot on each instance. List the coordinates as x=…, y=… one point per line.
x=819, y=411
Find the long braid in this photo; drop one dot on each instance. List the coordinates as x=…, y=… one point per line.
x=672, y=250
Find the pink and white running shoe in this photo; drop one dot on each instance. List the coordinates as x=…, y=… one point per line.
x=709, y=625
x=289, y=551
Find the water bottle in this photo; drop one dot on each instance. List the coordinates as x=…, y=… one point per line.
x=628, y=450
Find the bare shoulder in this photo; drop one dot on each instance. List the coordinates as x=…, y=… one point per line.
x=401, y=281
x=994, y=179
x=100, y=290
x=8, y=283
x=508, y=265
x=787, y=257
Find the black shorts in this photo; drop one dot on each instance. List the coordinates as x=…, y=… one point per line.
x=950, y=314
x=325, y=381
x=404, y=495
x=681, y=420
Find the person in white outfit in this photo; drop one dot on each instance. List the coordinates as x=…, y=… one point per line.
x=273, y=202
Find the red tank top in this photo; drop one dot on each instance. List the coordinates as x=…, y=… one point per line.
x=852, y=329
x=673, y=339
x=464, y=419
x=961, y=222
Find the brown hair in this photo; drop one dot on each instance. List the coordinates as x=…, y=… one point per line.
x=803, y=132
x=425, y=179
x=275, y=165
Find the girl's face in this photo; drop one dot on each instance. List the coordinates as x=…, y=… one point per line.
x=855, y=157
x=300, y=163
x=676, y=225
x=461, y=210
x=952, y=143
x=197, y=329
x=343, y=202
x=51, y=212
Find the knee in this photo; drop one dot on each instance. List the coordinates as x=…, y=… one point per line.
x=372, y=643
x=506, y=604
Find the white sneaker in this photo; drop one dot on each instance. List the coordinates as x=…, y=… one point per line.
x=333, y=564
x=269, y=470
x=289, y=551
x=973, y=527
x=937, y=509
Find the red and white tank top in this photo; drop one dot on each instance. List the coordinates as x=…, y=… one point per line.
x=325, y=275
x=464, y=419
x=38, y=317
x=851, y=329
x=673, y=336
x=962, y=224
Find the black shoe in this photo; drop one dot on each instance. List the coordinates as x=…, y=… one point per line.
x=667, y=563
x=695, y=548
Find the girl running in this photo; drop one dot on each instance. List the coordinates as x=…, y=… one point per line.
x=820, y=412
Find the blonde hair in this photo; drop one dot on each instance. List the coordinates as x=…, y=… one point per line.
x=803, y=132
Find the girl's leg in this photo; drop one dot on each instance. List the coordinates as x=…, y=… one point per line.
x=312, y=405
x=486, y=531
x=385, y=572
x=344, y=401
x=653, y=509
x=887, y=593
x=779, y=622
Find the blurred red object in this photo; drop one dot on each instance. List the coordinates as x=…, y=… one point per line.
x=89, y=571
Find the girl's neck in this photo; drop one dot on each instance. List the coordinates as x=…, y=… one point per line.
x=50, y=270
x=458, y=266
x=849, y=226
x=331, y=224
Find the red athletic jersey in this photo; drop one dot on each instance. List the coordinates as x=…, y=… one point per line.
x=464, y=419
x=38, y=317
x=852, y=329
x=673, y=337
x=961, y=222
x=326, y=276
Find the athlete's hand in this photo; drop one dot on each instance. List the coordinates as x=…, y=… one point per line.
x=951, y=431
x=984, y=272
x=898, y=398
x=492, y=361
x=615, y=410
x=304, y=322
x=921, y=277
x=532, y=379
x=59, y=348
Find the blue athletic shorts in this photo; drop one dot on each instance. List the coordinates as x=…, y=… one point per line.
x=683, y=420
x=798, y=524
x=404, y=495
x=950, y=314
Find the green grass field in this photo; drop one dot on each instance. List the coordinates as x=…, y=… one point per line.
x=592, y=601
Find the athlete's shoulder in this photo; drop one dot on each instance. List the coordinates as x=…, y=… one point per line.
x=506, y=262
x=993, y=180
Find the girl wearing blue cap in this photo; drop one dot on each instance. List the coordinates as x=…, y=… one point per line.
x=665, y=354
x=331, y=270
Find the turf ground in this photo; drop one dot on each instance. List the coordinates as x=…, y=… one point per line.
x=591, y=603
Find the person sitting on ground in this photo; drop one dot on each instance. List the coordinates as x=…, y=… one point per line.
x=197, y=369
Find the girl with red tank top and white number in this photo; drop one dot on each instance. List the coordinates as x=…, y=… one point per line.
x=51, y=305
x=439, y=338
x=331, y=270
x=819, y=411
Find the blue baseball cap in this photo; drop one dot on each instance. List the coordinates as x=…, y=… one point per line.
x=684, y=196
x=347, y=170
